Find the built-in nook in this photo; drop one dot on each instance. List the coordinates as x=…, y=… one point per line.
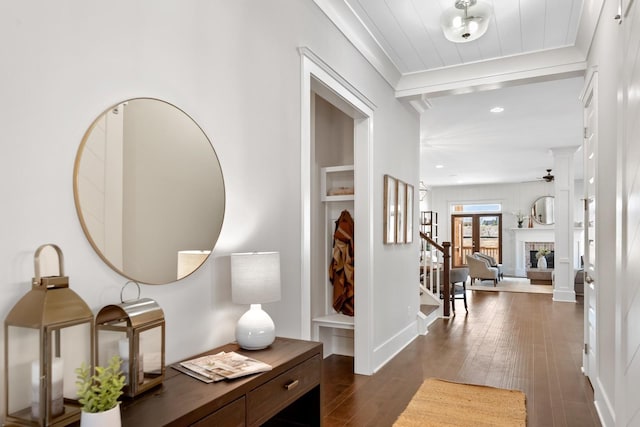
x=336, y=149
x=334, y=179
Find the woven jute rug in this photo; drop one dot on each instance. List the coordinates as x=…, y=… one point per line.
x=442, y=403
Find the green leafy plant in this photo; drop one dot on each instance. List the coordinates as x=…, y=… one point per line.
x=100, y=392
x=542, y=252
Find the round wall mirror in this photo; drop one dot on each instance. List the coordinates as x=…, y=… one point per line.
x=149, y=191
x=542, y=210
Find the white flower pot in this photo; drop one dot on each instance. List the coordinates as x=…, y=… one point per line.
x=542, y=262
x=110, y=418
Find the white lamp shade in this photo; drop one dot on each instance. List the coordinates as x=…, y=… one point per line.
x=460, y=28
x=255, y=277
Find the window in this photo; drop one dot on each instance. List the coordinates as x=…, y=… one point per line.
x=476, y=208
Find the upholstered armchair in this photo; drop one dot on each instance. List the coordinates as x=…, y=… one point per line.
x=480, y=269
x=492, y=263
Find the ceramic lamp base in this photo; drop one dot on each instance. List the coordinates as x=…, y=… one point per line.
x=255, y=329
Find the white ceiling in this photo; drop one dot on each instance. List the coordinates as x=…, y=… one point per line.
x=477, y=146
x=527, y=62
x=409, y=30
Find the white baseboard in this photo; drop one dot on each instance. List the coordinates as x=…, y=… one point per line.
x=605, y=410
x=394, y=345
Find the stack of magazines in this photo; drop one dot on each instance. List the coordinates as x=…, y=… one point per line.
x=221, y=366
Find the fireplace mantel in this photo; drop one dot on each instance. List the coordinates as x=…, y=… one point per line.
x=524, y=235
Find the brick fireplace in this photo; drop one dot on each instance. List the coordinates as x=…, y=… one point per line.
x=532, y=248
x=532, y=239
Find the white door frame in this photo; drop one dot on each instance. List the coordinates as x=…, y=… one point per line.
x=590, y=108
x=314, y=69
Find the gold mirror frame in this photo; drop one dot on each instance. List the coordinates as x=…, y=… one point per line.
x=147, y=186
x=542, y=210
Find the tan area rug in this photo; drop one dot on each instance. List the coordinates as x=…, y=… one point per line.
x=511, y=284
x=442, y=403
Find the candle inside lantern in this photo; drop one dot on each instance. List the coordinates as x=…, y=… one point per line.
x=57, y=399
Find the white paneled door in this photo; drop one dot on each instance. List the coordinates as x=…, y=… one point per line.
x=628, y=286
x=590, y=150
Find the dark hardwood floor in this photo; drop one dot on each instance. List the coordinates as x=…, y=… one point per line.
x=509, y=340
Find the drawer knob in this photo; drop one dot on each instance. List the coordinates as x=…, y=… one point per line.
x=293, y=384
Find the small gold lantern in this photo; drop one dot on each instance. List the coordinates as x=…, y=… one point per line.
x=48, y=333
x=134, y=330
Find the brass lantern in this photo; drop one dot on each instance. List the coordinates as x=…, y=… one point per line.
x=134, y=330
x=48, y=333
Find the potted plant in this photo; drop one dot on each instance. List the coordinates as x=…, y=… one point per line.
x=541, y=255
x=98, y=393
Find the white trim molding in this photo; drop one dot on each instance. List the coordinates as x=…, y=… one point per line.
x=319, y=75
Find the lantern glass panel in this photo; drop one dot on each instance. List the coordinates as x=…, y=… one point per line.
x=75, y=349
x=23, y=348
x=41, y=372
x=113, y=341
x=151, y=352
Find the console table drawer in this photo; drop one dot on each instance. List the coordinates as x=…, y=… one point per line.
x=275, y=395
x=231, y=415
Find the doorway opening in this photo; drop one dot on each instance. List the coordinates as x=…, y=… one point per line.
x=321, y=81
x=475, y=233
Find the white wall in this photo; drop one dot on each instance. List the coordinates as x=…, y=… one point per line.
x=513, y=197
x=234, y=68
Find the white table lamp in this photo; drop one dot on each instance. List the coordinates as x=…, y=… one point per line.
x=255, y=279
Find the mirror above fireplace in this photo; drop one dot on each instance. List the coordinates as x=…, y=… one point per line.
x=542, y=210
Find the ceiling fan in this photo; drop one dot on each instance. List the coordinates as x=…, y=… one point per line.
x=548, y=177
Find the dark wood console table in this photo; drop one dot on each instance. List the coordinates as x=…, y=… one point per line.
x=289, y=394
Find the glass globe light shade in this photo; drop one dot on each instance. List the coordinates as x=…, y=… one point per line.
x=462, y=24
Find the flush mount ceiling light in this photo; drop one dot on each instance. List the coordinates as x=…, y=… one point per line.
x=468, y=20
x=497, y=109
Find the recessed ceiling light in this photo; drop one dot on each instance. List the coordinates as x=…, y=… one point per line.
x=497, y=110
x=439, y=166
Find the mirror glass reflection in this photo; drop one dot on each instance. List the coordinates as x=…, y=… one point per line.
x=542, y=210
x=149, y=189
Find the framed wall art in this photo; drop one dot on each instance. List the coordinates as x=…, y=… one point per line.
x=401, y=212
x=390, y=201
x=409, y=215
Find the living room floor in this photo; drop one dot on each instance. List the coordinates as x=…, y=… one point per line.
x=511, y=340
x=510, y=284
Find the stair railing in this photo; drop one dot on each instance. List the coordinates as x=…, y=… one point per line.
x=436, y=261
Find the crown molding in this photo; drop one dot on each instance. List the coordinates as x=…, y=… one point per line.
x=420, y=102
x=589, y=18
x=544, y=65
x=346, y=21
